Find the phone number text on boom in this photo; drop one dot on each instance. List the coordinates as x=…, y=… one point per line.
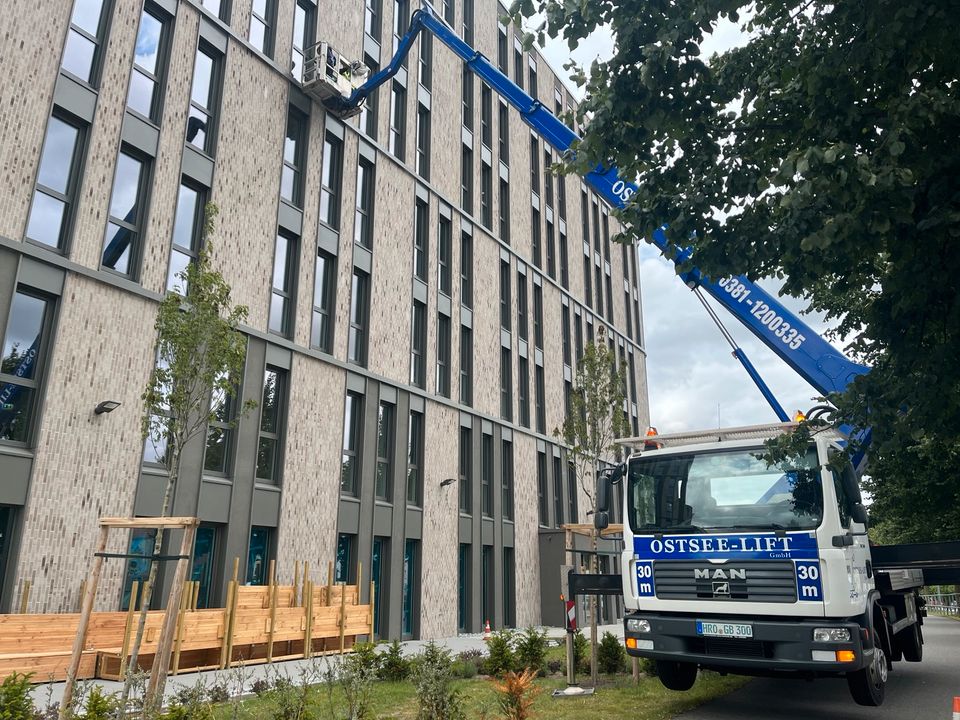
x=768, y=317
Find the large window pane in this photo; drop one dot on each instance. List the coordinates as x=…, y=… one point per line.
x=56, y=163
x=21, y=345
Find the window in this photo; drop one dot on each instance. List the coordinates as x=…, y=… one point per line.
x=486, y=115
x=486, y=195
x=506, y=479
x=121, y=245
x=466, y=179
x=578, y=339
x=565, y=333
x=596, y=225
x=137, y=570
x=466, y=270
x=523, y=391
x=466, y=99
x=503, y=132
x=262, y=20
x=386, y=429
x=585, y=218
x=551, y=252
x=401, y=22
x=421, y=239
x=557, y=492
x=425, y=67
x=346, y=549
x=220, y=432
x=573, y=513
x=294, y=156
x=201, y=124
x=503, y=49
x=504, y=211
x=517, y=62
x=324, y=308
x=562, y=197
x=534, y=85
x=567, y=398
x=187, y=236
x=398, y=121
x=363, y=219
x=522, y=324
x=509, y=588
x=444, y=254
x=506, y=384
x=486, y=474
x=24, y=345
x=258, y=555
x=149, y=65
x=204, y=563
x=464, y=589
x=272, y=412
x=443, y=355
x=352, y=440
x=466, y=365
x=284, y=290
x=372, y=18
x=418, y=345
x=447, y=11
x=359, y=317
x=626, y=306
x=57, y=180
x=505, y=301
x=411, y=561
x=539, y=399
x=606, y=236
x=589, y=330
x=468, y=22
x=633, y=378
x=534, y=164
x=538, y=316
x=219, y=8
x=304, y=35
x=330, y=179
x=415, y=458
x=557, y=101
x=599, y=289
x=380, y=558
x=370, y=110
x=535, y=239
x=609, y=286
x=587, y=278
x=85, y=40
x=423, y=141
x=466, y=470
x=542, y=507
x=564, y=262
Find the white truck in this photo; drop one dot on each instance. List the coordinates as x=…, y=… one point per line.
x=734, y=565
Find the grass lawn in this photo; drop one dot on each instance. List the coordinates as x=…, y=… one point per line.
x=616, y=697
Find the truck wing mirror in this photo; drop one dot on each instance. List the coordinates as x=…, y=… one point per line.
x=605, y=480
x=601, y=520
x=859, y=514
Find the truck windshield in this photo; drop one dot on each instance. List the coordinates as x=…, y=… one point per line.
x=723, y=491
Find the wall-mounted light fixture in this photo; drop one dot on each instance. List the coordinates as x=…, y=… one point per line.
x=447, y=481
x=106, y=406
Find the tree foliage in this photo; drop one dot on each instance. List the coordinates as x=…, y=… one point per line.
x=822, y=151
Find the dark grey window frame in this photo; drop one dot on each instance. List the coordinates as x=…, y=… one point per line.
x=506, y=301
x=135, y=229
x=522, y=310
x=466, y=98
x=196, y=235
x=506, y=479
x=543, y=508
x=397, y=140
x=364, y=210
x=373, y=19
x=466, y=269
x=296, y=166
x=415, y=444
x=307, y=39
x=418, y=344
x=158, y=77
x=466, y=365
x=359, y=318
x=99, y=41
x=423, y=141
x=425, y=62
x=486, y=195
x=223, y=423
x=466, y=179
x=277, y=436
x=287, y=293
x=324, y=301
x=370, y=112
x=486, y=475
x=539, y=391
x=386, y=438
x=269, y=22
x=443, y=355
x=445, y=255
x=465, y=476
x=538, y=316
x=331, y=179
x=212, y=110
x=351, y=445
x=504, y=209
x=486, y=115
x=506, y=384
x=421, y=239
x=523, y=391
x=503, y=132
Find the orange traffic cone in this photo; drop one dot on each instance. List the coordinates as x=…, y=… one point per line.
x=486, y=630
x=956, y=708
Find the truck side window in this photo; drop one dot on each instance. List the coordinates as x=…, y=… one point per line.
x=844, y=501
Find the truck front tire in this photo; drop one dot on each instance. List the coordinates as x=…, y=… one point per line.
x=867, y=686
x=676, y=675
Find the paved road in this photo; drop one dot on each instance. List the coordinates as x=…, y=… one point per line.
x=915, y=691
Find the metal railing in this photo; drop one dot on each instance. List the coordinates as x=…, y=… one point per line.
x=943, y=604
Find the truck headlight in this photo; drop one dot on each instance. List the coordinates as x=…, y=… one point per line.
x=638, y=626
x=831, y=635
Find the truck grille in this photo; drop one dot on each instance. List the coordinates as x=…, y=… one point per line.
x=764, y=581
x=729, y=647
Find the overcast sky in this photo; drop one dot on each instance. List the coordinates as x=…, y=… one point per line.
x=694, y=381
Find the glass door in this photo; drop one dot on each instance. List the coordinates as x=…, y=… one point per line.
x=204, y=558
x=409, y=582
x=376, y=575
x=138, y=569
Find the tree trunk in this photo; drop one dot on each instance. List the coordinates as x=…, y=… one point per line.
x=593, y=612
x=147, y=595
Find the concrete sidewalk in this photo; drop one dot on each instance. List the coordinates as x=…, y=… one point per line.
x=240, y=680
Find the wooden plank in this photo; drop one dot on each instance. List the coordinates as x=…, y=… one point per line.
x=148, y=522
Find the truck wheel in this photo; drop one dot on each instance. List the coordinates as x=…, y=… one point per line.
x=676, y=675
x=867, y=686
x=911, y=643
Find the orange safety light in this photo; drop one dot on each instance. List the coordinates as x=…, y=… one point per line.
x=650, y=444
x=845, y=656
x=631, y=643
x=799, y=416
x=651, y=431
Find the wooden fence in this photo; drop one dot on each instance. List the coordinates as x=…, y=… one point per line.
x=259, y=624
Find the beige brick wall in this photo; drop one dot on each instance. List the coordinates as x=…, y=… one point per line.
x=86, y=465
x=526, y=528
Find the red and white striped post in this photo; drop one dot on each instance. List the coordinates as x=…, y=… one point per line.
x=956, y=708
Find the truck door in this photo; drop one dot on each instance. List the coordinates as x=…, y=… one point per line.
x=856, y=555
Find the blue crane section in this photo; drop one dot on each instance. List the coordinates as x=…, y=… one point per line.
x=813, y=358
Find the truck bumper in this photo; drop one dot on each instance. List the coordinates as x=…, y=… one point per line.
x=778, y=646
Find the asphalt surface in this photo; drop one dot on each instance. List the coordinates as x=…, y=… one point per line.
x=915, y=691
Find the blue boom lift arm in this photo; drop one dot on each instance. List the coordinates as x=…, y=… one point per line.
x=819, y=363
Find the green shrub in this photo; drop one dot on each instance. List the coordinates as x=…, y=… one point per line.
x=99, y=706
x=648, y=666
x=393, y=665
x=365, y=657
x=219, y=692
x=502, y=658
x=260, y=686
x=464, y=669
x=581, y=652
x=555, y=666
x=15, y=700
x=531, y=650
x=611, y=657
x=432, y=675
